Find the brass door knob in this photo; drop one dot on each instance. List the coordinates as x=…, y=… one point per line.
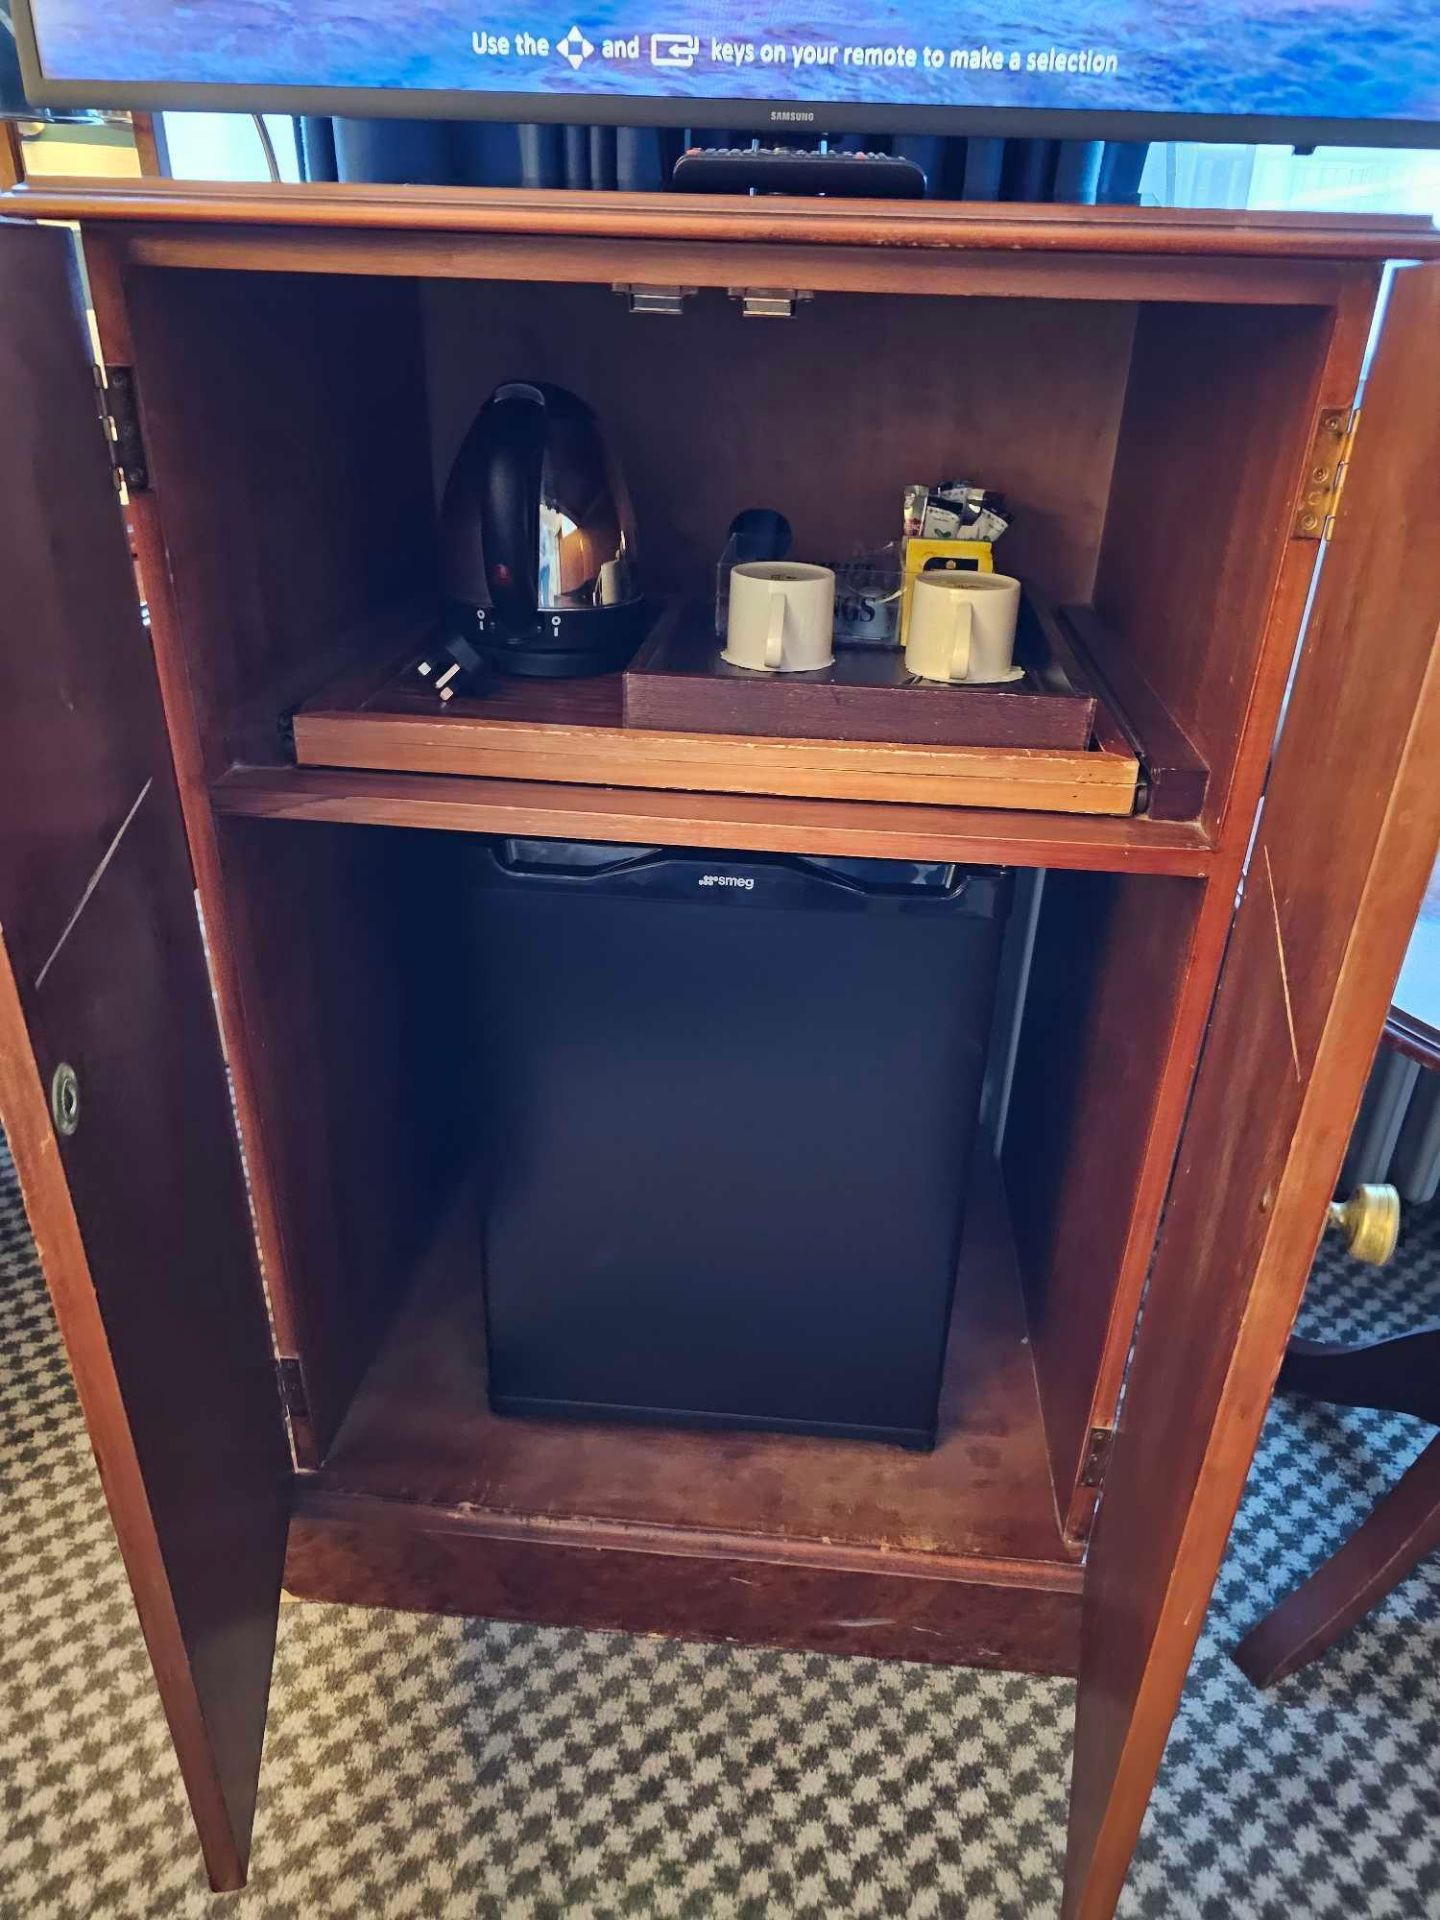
x=1370, y=1222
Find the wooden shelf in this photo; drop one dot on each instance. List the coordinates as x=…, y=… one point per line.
x=956, y=1554
x=858, y=828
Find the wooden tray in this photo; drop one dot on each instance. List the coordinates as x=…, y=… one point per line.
x=678, y=681
x=573, y=730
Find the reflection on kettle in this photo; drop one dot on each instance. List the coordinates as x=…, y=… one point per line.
x=537, y=538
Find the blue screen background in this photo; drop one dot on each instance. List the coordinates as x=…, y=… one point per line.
x=1371, y=59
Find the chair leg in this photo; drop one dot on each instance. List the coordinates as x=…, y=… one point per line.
x=1402, y=1530
x=1401, y=1374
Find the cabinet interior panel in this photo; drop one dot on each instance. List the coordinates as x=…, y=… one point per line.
x=827, y=416
x=342, y=948
x=1097, y=1030
x=1218, y=419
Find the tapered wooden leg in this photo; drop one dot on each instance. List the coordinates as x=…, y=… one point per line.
x=12, y=155
x=1401, y=1375
x=1402, y=1530
x=150, y=145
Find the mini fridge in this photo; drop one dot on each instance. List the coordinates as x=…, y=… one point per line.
x=728, y=1108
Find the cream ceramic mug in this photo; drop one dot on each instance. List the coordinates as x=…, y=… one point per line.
x=782, y=617
x=962, y=628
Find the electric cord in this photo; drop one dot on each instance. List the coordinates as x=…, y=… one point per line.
x=267, y=145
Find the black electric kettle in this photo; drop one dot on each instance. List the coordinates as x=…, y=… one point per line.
x=537, y=540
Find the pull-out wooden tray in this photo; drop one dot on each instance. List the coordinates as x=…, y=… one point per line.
x=386, y=720
x=679, y=682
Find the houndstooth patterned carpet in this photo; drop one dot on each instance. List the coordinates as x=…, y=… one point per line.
x=451, y=1768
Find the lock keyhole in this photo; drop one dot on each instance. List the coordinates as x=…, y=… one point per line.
x=65, y=1099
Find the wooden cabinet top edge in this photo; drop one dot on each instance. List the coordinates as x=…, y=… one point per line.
x=940, y=225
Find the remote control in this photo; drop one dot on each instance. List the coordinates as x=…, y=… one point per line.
x=867, y=176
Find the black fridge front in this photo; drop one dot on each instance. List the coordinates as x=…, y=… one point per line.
x=729, y=1107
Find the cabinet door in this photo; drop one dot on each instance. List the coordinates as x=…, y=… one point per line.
x=1345, y=845
x=112, y=1087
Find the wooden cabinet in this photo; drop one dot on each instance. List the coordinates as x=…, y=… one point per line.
x=1170, y=400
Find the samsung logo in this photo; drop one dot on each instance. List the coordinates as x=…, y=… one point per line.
x=786, y=113
x=747, y=881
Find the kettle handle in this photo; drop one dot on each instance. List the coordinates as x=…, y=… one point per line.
x=510, y=504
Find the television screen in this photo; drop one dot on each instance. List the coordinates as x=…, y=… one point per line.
x=1288, y=69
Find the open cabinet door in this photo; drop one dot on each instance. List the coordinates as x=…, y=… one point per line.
x=1345, y=846
x=112, y=1087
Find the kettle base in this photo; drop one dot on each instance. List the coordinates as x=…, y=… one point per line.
x=578, y=644
x=574, y=645
x=565, y=663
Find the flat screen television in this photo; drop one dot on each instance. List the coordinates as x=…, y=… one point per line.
x=1303, y=71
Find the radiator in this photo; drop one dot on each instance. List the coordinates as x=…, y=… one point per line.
x=1397, y=1135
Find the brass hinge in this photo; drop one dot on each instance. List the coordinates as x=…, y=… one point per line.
x=120, y=416
x=1098, y=1448
x=293, y=1396
x=1325, y=469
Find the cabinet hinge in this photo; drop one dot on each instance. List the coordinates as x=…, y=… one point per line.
x=769, y=303
x=666, y=300
x=293, y=1396
x=120, y=416
x=1325, y=468
x=1098, y=1448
